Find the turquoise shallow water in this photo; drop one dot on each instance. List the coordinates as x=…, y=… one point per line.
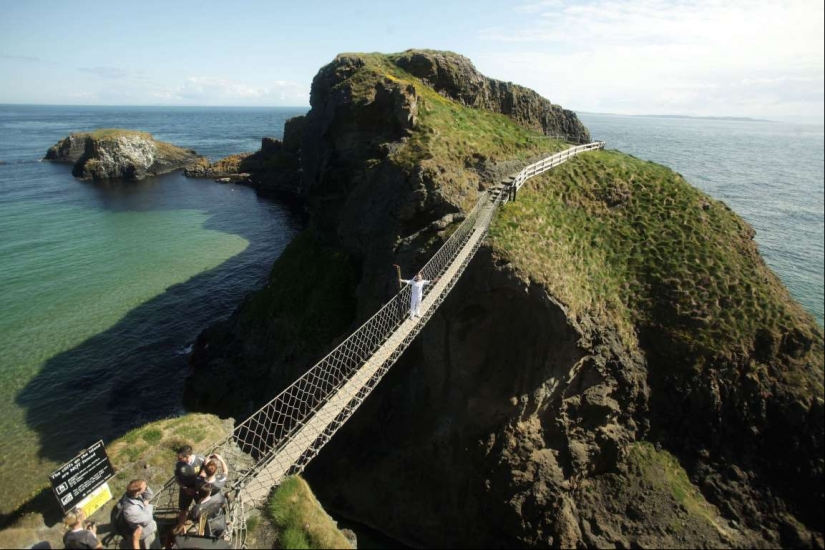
x=105, y=287
x=770, y=173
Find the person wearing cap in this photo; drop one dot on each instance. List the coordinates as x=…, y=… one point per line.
x=186, y=474
x=79, y=535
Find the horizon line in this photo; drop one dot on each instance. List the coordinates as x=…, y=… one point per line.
x=307, y=107
x=152, y=105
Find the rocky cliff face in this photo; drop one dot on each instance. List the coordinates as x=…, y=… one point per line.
x=455, y=77
x=68, y=149
x=585, y=384
x=517, y=419
x=275, y=169
x=119, y=154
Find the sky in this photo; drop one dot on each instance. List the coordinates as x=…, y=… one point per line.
x=753, y=58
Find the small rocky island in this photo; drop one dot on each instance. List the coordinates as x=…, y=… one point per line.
x=112, y=153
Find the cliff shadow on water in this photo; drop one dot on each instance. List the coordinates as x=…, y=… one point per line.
x=133, y=372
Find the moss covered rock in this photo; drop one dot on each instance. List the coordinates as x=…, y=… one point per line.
x=114, y=153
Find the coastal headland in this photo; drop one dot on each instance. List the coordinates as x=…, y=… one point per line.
x=616, y=367
x=619, y=329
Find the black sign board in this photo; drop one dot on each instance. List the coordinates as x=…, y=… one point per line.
x=76, y=479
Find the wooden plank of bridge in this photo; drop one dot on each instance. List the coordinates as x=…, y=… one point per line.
x=256, y=490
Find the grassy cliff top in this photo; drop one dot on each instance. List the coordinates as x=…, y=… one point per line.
x=300, y=520
x=114, y=133
x=446, y=130
x=167, y=150
x=633, y=244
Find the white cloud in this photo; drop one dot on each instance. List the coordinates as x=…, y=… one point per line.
x=106, y=72
x=536, y=7
x=218, y=91
x=23, y=58
x=128, y=87
x=738, y=57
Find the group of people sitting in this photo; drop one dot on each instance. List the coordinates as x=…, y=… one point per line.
x=201, y=506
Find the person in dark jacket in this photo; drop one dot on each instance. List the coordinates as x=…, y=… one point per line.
x=208, y=513
x=79, y=534
x=186, y=474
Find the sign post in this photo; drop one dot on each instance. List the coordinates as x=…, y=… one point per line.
x=81, y=482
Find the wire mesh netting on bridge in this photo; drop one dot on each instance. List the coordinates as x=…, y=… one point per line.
x=283, y=436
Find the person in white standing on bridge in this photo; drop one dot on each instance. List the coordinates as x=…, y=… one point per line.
x=417, y=283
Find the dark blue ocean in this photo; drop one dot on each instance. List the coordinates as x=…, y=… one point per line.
x=104, y=287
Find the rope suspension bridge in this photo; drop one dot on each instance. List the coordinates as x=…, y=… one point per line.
x=283, y=436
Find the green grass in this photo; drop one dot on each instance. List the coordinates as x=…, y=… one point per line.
x=300, y=520
x=132, y=452
x=663, y=472
x=167, y=150
x=163, y=438
x=632, y=243
x=114, y=133
x=152, y=435
x=294, y=537
x=453, y=134
x=310, y=298
x=252, y=523
x=448, y=137
x=447, y=130
x=191, y=432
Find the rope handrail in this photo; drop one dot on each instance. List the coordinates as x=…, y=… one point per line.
x=359, y=345
x=281, y=437
x=547, y=163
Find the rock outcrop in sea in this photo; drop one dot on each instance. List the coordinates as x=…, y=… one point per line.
x=110, y=154
x=617, y=367
x=274, y=169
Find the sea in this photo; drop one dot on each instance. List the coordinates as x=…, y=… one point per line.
x=104, y=287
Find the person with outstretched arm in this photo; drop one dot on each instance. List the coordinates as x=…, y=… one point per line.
x=417, y=283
